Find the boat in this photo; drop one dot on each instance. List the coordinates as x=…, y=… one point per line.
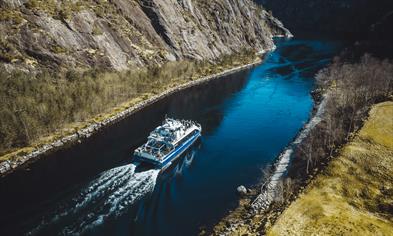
x=167, y=142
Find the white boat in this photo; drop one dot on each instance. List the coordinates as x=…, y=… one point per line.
x=167, y=142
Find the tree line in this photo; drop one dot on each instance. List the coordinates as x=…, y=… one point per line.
x=33, y=106
x=352, y=89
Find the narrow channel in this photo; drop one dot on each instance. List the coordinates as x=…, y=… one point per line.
x=248, y=118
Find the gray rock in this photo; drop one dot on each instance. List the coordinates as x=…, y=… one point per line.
x=139, y=33
x=242, y=190
x=58, y=143
x=12, y=3
x=4, y=166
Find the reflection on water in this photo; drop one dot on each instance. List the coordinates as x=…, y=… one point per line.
x=247, y=119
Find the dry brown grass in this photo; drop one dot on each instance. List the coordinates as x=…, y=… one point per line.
x=39, y=110
x=355, y=194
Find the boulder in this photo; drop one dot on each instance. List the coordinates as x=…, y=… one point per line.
x=242, y=190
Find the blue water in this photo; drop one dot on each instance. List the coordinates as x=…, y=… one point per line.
x=257, y=123
x=248, y=118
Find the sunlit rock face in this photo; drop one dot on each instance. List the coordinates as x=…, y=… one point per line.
x=347, y=16
x=121, y=34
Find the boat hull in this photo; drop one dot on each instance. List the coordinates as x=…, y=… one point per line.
x=173, y=155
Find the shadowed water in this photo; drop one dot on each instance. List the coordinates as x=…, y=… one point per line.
x=248, y=118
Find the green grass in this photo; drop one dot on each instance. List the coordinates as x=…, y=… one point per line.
x=355, y=194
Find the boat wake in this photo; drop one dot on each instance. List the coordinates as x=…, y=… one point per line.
x=186, y=163
x=108, y=196
x=189, y=159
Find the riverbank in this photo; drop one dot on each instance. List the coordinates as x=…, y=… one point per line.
x=354, y=194
x=347, y=92
x=75, y=133
x=258, y=205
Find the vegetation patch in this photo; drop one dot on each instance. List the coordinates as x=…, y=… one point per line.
x=59, y=9
x=354, y=196
x=36, y=110
x=15, y=17
x=8, y=52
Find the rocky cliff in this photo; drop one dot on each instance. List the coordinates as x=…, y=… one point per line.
x=119, y=34
x=360, y=17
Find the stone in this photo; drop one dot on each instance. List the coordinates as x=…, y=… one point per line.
x=139, y=33
x=242, y=190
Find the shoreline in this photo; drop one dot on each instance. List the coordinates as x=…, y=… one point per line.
x=325, y=139
x=332, y=190
x=264, y=200
x=8, y=166
x=259, y=199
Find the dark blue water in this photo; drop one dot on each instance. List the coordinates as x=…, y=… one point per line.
x=248, y=118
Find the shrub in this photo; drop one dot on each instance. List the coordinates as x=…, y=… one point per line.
x=35, y=106
x=353, y=89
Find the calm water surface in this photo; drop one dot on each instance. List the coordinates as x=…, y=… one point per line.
x=248, y=118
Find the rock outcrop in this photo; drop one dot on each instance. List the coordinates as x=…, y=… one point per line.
x=122, y=34
x=344, y=16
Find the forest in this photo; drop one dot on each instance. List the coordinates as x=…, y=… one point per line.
x=35, y=106
x=350, y=89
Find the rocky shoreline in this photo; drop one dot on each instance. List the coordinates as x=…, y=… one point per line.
x=329, y=127
x=9, y=166
x=265, y=198
x=258, y=201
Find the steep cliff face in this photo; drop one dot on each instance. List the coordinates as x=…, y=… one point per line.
x=346, y=16
x=120, y=34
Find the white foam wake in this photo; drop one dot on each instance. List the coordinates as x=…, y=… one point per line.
x=117, y=203
x=188, y=160
x=109, y=195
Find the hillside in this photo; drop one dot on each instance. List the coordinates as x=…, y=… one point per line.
x=66, y=66
x=361, y=18
x=353, y=196
x=123, y=34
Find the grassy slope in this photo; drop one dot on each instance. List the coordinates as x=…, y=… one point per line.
x=354, y=196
